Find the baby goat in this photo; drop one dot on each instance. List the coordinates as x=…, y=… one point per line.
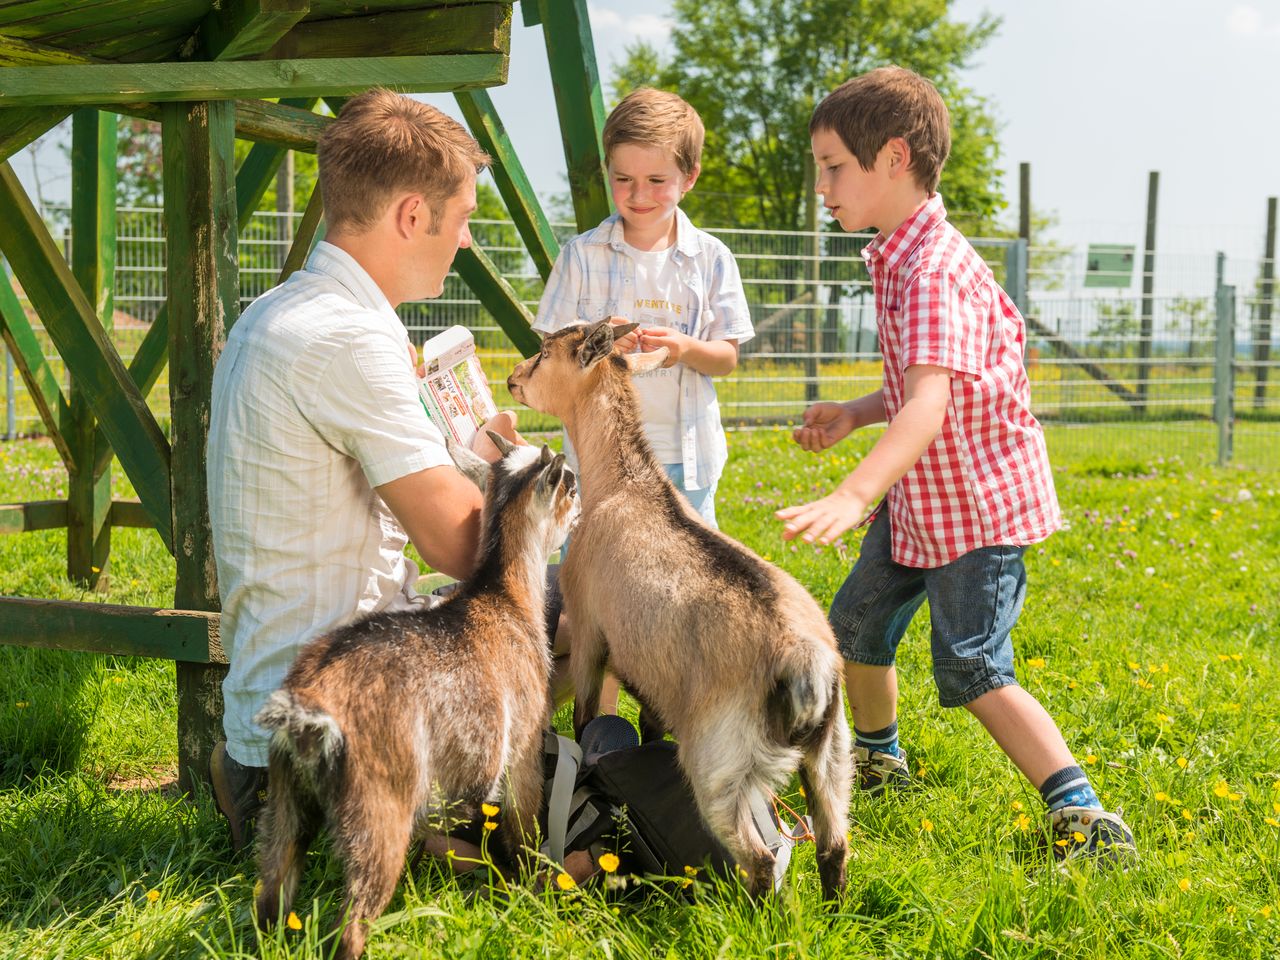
x=731, y=653
x=397, y=722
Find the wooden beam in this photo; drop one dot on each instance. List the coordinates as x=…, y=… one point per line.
x=187, y=636
x=35, y=515
x=20, y=127
x=93, y=263
x=508, y=173
x=15, y=52
x=579, y=104
x=28, y=357
x=109, y=83
x=309, y=231
x=261, y=121
x=498, y=297
x=128, y=513
x=203, y=300
x=243, y=28
x=479, y=28
x=84, y=347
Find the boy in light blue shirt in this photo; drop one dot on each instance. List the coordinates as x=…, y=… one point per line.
x=648, y=264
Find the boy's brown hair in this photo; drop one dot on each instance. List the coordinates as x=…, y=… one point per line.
x=868, y=111
x=657, y=118
x=383, y=145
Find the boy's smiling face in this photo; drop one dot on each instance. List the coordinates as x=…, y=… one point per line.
x=647, y=185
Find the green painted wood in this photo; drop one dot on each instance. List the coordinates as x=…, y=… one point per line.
x=86, y=85
x=129, y=513
x=35, y=515
x=83, y=345
x=309, y=231
x=15, y=52
x=19, y=127
x=481, y=28
x=261, y=121
x=203, y=300
x=187, y=636
x=529, y=10
x=508, y=173
x=579, y=104
x=243, y=28
x=497, y=296
x=93, y=263
x=28, y=359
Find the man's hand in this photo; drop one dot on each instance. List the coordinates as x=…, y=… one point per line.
x=655, y=338
x=822, y=520
x=825, y=424
x=626, y=343
x=503, y=424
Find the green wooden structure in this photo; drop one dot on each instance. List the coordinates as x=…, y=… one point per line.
x=212, y=71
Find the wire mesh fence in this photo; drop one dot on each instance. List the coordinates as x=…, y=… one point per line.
x=1188, y=356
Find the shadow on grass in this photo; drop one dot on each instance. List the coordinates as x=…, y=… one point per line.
x=44, y=719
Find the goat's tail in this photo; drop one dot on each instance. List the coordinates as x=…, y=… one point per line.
x=806, y=690
x=310, y=736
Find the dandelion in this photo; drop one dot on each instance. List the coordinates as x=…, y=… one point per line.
x=1221, y=789
x=1161, y=796
x=1134, y=665
x=1272, y=822
x=926, y=825
x=153, y=895
x=1091, y=759
x=565, y=882
x=1017, y=804
x=489, y=809
x=1182, y=763
x=1266, y=912
x=1224, y=657
x=1189, y=836
x=1184, y=884
x=1186, y=814
x=1164, y=719
x=920, y=772
x=1275, y=807
x=1023, y=822
x=293, y=923
x=608, y=862
x=1036, y=663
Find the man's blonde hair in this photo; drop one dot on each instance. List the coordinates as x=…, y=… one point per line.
x=383, y=145
x=656, y=118
x=868, y=111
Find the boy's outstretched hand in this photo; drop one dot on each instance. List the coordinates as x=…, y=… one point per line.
x=825, y=424
x=822, y=521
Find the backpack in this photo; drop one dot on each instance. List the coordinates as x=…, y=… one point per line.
x=633, y=800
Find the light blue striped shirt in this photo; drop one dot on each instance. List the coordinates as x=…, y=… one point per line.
x=594, y=278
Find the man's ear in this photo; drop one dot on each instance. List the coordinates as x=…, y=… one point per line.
x=644, y=362
x=597, y=344
x=410, y=213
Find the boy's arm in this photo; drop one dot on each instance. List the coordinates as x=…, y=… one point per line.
x=715, y=358
x=927, y=396
x=827, y=423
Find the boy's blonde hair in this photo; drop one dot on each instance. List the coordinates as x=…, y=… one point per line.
x=657, y=118
x=868, y=111
x=383, y=145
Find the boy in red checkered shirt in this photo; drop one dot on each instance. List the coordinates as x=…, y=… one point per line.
x=962, y=465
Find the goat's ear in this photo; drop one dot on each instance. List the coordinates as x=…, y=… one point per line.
x=469, y=464
x=597, y=344
x=553, y=470
x=504, y=445
x=644, y=362
x=544, y=455
x=622, y=329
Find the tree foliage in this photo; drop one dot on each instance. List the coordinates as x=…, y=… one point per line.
x=754, y=69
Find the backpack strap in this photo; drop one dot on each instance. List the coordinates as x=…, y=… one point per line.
x=568, y=759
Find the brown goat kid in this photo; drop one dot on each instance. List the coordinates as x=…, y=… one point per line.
x=392, y=725
x=731, y=653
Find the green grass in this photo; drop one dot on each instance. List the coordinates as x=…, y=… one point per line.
x=1149, y=633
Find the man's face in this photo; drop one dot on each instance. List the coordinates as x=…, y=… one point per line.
x=855, y=197
x=436, y=243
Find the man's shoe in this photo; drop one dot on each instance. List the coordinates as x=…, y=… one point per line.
x=240, y=791
x=878, y=771
x=1078, y=833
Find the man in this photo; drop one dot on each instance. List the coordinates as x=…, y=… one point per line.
x=322, y=462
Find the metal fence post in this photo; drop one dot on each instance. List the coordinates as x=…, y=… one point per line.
x=1015, y=273
x=11, y=415
x=1224, y=384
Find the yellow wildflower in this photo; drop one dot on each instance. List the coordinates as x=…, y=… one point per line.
x=1091, y=759
x=1275, y=807
x=1077, y=836
x=1017, y=804
x=490, y=825
x=1266, y=912
x=1023, y=822
x=1184, y=884
x=1272, y=822
x=1186, y=814
x=1072, y=685
x=1161, y=796
x=926, y=825
x=1182, y=763
x=489, y=809
x=693, y=871
x=1035, y=663
x=1134, y=665
x=293, y=923
x=1220, y=789
x=1163, y=719
x=608, y=862
x=21, y=704
x=153, y=895
x=565, y=882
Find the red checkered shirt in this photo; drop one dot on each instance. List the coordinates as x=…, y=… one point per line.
x=985, y=479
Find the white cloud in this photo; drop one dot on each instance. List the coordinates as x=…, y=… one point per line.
x=1244, y=20
x=638, y=26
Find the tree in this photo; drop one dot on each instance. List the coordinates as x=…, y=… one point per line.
x=754, y=69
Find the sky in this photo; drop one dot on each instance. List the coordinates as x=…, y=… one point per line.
x=1094, y=94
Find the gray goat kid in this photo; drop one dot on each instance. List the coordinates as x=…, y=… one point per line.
x=731, y=653
x=390, y=725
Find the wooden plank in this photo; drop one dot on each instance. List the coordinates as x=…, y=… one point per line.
x=203, y=299
x=529, y=10
x=20, y=127
x=508, y=173
x=579, y=104
x=188, y=636
x=28, y=358
x=129, y=513
x=35, y=515
x=482, y=28
x=83, y=345
x=497, y=296
x=93, y=263
x=243, y=28
x=309, y=231
x=85, y=85
x=15, y=52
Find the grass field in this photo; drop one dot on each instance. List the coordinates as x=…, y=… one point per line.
x=1150, y=633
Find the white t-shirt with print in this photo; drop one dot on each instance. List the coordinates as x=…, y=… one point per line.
x=660, y=301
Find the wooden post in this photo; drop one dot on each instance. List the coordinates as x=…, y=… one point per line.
x=1148, y=285
x=203, y=297
x=1266, y=294
x=1224, y=378
x=1024, y=202
x=93, y=260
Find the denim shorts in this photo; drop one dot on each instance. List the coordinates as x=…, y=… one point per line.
x=974, y=602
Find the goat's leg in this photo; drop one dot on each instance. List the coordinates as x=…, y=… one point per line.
x=371, y=836
x=286, y=828
x=523, y=801
x=825, y=773
x=586, y=664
